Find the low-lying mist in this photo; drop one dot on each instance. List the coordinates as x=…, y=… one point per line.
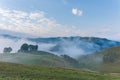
x=71, y=48
x=15, y=44
x=75, y=48
x=61, y=46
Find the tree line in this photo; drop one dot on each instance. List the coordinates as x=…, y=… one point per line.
x=24, y=48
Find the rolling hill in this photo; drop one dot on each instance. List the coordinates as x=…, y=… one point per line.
x=40, y=58
x=111, y=60
x=97, y=54
x=10, y=71
x=107, y=60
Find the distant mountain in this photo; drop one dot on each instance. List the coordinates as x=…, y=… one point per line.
x=77, y=45
x=9, y=36
x=101, y=42
x=72, y=46
x=13, y=34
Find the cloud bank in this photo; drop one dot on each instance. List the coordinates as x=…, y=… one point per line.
x=34, y=23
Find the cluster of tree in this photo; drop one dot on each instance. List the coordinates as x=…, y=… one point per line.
x=7, y=50
x=28, y=48
x=24, y=48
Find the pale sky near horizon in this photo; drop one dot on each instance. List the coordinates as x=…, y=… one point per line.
x=50, y=18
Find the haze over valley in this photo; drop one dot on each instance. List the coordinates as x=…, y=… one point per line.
x=59, y=40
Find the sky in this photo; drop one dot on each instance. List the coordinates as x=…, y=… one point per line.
x=53, y=18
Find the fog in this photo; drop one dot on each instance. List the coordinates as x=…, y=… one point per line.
x=75, y=48
x=71, y=47
x=15, y=44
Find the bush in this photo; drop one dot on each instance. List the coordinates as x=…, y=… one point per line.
x=7, y=50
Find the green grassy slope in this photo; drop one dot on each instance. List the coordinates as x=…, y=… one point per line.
x=104, y=61
x=10, y=71
x=39, y=58
x=111, y=60
x=91, y=61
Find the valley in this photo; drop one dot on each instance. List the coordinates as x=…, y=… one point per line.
x=80, y=54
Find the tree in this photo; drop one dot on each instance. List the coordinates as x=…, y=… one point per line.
x=24, y=48
x=33, y=48
x=7, y=50
x=28, y=48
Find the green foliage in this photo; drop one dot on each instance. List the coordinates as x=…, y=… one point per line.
x=7, y=50
x=33, y=48
x=24, y=48
x=28, y=48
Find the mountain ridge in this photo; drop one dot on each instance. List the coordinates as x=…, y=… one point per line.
x=72, y=46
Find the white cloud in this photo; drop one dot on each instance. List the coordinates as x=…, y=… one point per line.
x=37, y=24
x=76, y=11
x=34, y=23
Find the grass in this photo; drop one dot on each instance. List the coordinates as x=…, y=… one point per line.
x=32, y=59
x=10, y=71
x=46, y=66
x=40, y=58
x=111, y=67
x=97, y=61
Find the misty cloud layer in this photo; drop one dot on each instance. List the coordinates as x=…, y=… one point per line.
x=72, y=46
x=15, y=44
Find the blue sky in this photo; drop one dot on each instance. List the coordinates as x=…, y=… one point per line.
x=98, y=18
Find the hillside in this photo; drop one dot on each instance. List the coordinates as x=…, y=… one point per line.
x=40, y=58
x=98, y=54
x=10, y=71
x=107, y=60
x=104, y=61
x=111, y=60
